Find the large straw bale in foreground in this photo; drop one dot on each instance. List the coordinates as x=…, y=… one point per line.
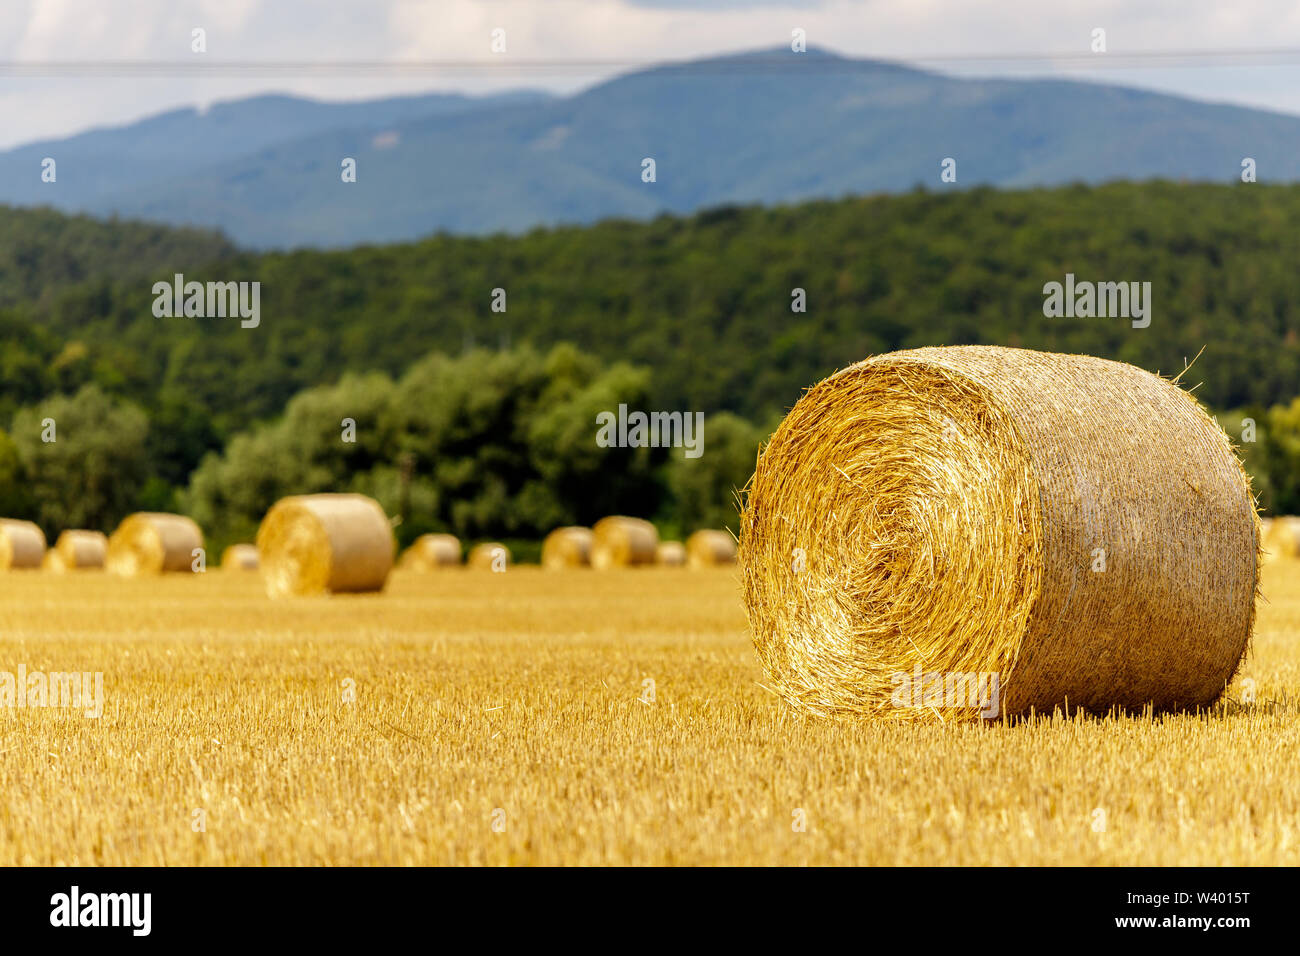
x=618, y=541
x=707, y=548
x=77, y=550
x=22, y=544
x=1282, y=538
x=1078, y=528
x=671, y=554
x=312, y=544
x=240, y=557
x=432, y=551
x=567, y=548
x=151, y=543
x=488, y=556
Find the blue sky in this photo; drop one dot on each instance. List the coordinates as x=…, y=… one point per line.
x=43, y=95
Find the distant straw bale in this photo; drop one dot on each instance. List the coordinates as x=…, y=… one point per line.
x=708, y=548
x=77, y=550
x=567, y=548
x=1282, y=538
x=316, y=544
x=432, y=551
x=671, y=554
x=153, y=543
x=488, y=556
x=240, y=557
x=618, y=541
x=22, y=544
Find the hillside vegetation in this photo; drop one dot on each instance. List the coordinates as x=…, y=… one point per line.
x=701, y=306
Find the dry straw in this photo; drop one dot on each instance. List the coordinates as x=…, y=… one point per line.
x=567, y=548
x=1078, y=527
x=151, y=543
x=671, y=554
x=22, y=544
x=432, y=551
x=707, y=548
x=1282, y=538
x=77, y=550
x=313, y=544
x=240, y=557
x=618, y=541
x=488, y=556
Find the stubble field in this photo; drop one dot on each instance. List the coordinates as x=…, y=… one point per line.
x=508, y=719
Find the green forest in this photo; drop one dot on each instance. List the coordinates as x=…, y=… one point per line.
x=473, y=368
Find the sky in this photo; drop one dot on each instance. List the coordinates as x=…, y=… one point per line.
x=69, y=65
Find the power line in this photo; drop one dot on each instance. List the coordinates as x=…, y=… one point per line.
x=757, y=63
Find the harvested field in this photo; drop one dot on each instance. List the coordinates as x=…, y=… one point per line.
x=526, y=692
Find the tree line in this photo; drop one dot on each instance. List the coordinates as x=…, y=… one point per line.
x=731, y=312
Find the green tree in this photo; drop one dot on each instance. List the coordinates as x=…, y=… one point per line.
x=704, y=490
x=90, y=474
x=15, y=499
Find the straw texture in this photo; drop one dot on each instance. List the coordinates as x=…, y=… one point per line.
x=240, y=557
x=707, y=548
x=481, y=555
x=429, y=552
x=671, y=554
x=77, y=550
x=316, y=544
x=22, y=544
x=567, y=548
x=152, y=543
x=1078, y=527
x=619, y=541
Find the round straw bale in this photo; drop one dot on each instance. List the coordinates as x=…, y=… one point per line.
x=432, y=551
x=151, y=543
x=927, y=521
x=1282, y=538
x=22, y=544
x=239, y=557
x=488, y=556
x=671, y=554
x=567, y=548
x=618, y=541
x=708, y=547
x=313, y=544
x=77, y=550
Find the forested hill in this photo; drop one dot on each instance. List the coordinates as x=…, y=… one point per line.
x=43, y=252
x=766, y=127
x=705, y=301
